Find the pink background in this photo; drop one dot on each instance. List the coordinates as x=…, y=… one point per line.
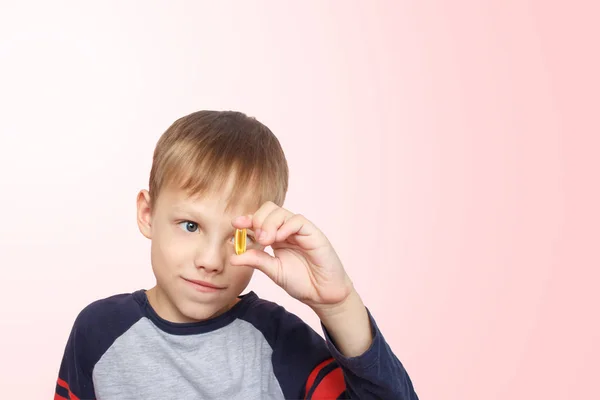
x=447, y=148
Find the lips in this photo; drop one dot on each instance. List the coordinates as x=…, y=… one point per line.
x=204, y=284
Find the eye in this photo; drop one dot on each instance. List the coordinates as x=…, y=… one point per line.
x=189, y=226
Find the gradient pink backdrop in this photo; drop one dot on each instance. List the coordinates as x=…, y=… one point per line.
x=448, y=149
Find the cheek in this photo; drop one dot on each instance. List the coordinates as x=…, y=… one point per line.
x=168, y=250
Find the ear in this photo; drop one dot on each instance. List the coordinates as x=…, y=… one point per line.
x=144, y=213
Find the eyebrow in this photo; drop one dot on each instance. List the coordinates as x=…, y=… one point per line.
x=192, y=213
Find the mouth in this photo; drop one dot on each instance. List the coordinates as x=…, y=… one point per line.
x=203, y=286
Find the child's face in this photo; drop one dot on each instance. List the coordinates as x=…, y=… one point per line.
x=192, y=240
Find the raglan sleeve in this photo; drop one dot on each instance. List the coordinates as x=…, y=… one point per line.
x=376, y=374
x=75, y=372
x=310, y=366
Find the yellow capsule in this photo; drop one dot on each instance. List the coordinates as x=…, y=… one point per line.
x=240, y=241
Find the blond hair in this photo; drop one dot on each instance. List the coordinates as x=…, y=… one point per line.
x=203, y=150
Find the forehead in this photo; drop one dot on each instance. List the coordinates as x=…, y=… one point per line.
x=212, y=203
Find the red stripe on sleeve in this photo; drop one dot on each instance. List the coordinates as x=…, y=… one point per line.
x=65, y=385
x=331, y=386
x=314, y=373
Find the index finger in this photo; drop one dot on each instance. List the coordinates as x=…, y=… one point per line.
x=241, y=222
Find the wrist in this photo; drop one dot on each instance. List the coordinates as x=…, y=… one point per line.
x=348, y=325
x=351, y=303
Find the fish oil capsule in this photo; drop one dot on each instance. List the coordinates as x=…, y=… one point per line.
x=240, y=241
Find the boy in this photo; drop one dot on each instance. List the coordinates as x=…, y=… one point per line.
x=193, y=336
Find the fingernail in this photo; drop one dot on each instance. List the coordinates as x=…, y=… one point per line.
x=262, y=236
x=257, y=233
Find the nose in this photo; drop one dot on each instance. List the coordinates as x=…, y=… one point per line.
x=210, y=257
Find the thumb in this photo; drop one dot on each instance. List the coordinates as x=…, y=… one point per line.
x=264, y=262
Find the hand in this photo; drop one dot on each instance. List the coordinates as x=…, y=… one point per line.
x=305, y=264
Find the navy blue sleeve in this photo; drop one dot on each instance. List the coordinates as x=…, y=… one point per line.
x=376, y=374
x=96, y=327
x=310, y=367
x=75, y=373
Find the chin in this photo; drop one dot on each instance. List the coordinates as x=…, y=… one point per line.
x=200, y=311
